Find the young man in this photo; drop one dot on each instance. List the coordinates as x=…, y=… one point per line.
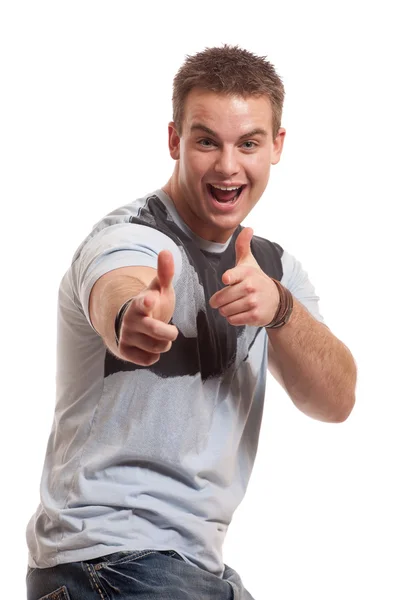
x=168, y=319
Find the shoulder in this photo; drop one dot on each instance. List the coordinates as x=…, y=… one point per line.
x=280, y=264
x=268, y=255
x=130, y=220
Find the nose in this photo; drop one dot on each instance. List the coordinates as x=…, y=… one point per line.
x=227, y=163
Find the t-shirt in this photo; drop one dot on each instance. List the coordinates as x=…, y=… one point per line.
x=154, y=457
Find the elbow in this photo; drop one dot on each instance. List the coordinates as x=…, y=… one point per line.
x=334, y=410
x=346, y=398
x=342, y=412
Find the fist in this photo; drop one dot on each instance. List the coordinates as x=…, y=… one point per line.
x=145, y=329
x=250, y=296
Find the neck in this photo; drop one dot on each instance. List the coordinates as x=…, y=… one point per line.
x=174, y=191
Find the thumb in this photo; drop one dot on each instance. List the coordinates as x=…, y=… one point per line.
x=242, y=246
x=165, y=269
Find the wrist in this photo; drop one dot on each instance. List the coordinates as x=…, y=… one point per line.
x=119, y=318
x=284, y=309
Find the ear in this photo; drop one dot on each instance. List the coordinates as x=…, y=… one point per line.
x=278, y=146
x=173, y=141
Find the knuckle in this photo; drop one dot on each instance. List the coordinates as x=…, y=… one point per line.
x=154, y=345
x=124, y=348
x=150, y=359
x=127, y=329
x=253, y=303
x=150, y=329
x=154, y=328
x=128, y=353
x=254, y=314
x=162, y=346
x=166, y=347
x=136, y=355
x=249, y=287
x=146, y=359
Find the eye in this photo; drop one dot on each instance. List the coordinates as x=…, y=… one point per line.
x=249, y=145
x=206, y=143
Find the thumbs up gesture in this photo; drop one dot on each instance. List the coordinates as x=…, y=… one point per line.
x=145, y=330
x=250, y=296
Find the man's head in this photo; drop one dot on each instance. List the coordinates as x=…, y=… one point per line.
x=227, y=108
x=228, y=70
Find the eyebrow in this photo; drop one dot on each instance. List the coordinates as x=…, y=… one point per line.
x=252, y=133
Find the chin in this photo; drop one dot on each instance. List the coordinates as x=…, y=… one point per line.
x=226, y=228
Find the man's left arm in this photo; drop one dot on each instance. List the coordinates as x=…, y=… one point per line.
x=314, y=367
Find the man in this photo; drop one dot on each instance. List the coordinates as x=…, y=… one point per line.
x=168, y=318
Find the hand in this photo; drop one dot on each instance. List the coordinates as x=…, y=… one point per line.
x=145, y=329
x=251, y=297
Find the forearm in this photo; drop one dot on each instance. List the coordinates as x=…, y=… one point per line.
x=317, y=369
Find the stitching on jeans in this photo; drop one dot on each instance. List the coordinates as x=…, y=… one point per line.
x=123, y=561
x=95, y=582
x=60, y=594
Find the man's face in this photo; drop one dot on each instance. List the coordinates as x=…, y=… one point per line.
x=226, y=142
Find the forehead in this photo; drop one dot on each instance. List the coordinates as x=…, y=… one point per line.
x=227, y=113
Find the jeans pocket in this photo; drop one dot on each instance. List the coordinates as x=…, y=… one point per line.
x=60, y=594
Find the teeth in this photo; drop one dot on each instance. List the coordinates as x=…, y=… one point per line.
x=226, y=189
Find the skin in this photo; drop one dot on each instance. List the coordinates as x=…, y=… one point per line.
x=228, y=140
x=231, y=155
x=225, y=140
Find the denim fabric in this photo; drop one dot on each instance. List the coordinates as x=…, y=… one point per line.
x=140, y=575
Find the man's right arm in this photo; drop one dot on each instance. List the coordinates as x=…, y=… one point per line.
x=108, y=295
x=145, y=331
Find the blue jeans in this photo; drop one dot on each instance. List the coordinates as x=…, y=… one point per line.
x=139, y=575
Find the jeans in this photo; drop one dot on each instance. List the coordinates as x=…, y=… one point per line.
x=139, y=575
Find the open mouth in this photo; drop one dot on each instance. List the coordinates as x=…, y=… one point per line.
x=225, y=195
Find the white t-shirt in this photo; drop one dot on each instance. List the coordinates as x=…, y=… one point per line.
x=154, y=457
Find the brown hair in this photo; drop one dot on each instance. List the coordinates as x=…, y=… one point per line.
x=228, y=70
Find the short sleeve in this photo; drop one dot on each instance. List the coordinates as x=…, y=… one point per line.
x=296, y=279
x=116, y=246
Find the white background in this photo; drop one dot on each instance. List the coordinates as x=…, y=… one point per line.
x=85, y=102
